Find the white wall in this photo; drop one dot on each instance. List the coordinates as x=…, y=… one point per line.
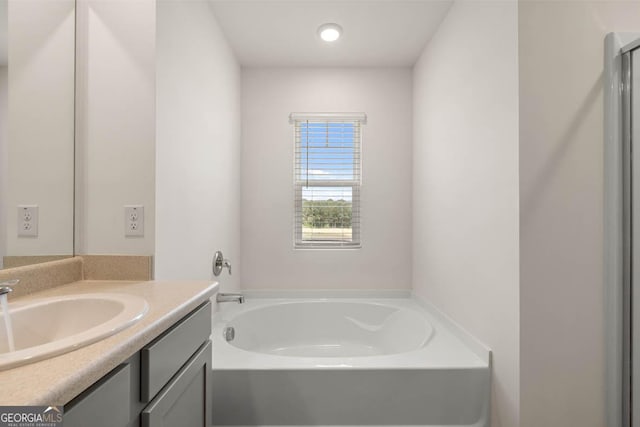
x=465, y=163
x=268, y=260
x=40, y=124
x=4, y=103
x=198, y=145
x=561, y=187
x=115, y=144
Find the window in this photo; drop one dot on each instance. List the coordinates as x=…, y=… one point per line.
x=327, y=179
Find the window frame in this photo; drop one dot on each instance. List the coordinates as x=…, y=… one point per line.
x=358, y=119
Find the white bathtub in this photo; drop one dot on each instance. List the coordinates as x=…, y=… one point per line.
x=345, y=361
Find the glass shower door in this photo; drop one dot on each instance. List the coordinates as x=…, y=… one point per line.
x=622, y=228
x=631, y=132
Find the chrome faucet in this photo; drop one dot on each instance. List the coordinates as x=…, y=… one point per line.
x=239, y=298
x=5, y=287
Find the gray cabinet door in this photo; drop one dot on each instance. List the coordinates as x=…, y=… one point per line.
x=105, y=404
x=161, y=359
x=186, y=400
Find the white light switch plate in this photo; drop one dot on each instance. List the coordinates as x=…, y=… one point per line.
x=134, y=221
x=27, y=221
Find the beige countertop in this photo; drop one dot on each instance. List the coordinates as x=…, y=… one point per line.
x=57, y=380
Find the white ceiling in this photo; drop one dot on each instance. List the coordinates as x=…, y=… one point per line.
x=283, y=33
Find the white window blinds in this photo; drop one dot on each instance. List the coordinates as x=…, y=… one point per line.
x=327, y=179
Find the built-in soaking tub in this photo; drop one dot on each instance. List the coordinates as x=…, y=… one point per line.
x=345, y=361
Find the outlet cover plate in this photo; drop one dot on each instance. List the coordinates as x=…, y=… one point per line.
x=27, y=221
x=134, y=221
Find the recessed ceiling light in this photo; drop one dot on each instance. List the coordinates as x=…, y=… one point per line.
x=330, y=32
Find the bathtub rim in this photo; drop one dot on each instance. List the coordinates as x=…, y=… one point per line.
x=408, y=360
x=288, y=302
x=482, y=350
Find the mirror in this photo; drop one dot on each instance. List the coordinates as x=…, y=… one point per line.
x=37, y=91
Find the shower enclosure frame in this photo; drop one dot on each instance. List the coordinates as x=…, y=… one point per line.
x=618, y=229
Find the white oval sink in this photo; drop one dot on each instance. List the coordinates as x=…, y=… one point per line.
x=51, y=326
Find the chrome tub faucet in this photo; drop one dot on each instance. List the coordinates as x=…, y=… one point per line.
x=221, y=297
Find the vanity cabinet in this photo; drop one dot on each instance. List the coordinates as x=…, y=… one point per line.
x=184, y=403
x=167, y=383
x=104, y=404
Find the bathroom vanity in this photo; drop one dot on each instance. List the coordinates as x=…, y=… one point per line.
x=166, y=383
x=154, y=373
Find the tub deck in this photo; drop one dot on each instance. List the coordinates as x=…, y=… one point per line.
x=446, y=382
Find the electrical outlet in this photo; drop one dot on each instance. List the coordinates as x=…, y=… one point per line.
x=134, y=221
x=27, y=221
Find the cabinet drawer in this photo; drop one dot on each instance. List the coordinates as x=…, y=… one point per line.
x=161, y=359
x=105, y=404
x=186, y=400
